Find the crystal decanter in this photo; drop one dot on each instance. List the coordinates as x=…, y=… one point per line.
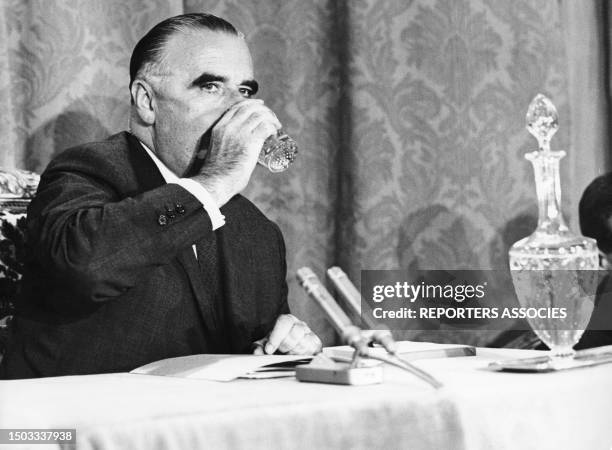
x=554, y=271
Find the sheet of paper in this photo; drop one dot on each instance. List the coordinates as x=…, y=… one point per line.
x=409, y=350
x=264, y=375
x=214, y=367
x=582, y=358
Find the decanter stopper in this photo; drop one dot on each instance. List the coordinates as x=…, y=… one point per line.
x=542, y=121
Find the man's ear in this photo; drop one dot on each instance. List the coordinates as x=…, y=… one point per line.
x=142, y=96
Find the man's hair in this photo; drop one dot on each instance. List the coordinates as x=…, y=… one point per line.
x=149, y=50
x=595, y=211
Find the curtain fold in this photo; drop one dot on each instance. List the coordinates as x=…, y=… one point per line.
x=7, y=121
x=586, y=40
x=409, y=116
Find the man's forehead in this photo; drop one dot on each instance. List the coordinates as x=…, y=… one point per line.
x=196, y=51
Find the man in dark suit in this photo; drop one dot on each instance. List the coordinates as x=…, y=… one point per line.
x=141, y=247
x=595, y=213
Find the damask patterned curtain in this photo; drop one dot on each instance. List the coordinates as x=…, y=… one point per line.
x=409, y=115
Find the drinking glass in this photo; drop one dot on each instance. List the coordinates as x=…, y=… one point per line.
x=278, y=152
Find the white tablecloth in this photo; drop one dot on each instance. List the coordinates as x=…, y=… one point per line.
x=476, y=409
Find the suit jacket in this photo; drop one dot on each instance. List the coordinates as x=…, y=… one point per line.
x=112, y=281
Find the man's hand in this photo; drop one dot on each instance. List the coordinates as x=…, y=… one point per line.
x=290, y=335
x=235, y=143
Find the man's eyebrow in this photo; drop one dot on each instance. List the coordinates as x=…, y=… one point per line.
x=210, y=78
x=207, y=78
x=251, y=84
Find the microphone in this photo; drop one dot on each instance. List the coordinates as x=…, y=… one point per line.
x=349, y=333
x=351, y=295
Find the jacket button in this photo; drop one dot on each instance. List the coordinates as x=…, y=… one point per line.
x=179, y=208
x=162, y=220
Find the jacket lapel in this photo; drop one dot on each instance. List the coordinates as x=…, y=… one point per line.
x=146, y=172
x=148, y=177
x=239, y=283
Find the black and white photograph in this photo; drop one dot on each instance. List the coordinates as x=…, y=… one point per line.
x=316, y=224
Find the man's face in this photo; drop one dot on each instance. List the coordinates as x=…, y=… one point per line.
x=203, y=74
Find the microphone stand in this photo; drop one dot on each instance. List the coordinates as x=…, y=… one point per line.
x=350, y=334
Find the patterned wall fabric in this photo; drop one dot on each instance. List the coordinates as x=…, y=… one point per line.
x=67, y=72
x=440, y=93
x=409, y=116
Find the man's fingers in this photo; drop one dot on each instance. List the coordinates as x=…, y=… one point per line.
x=258, y=346
x=310, y=344
x=258, y=350
x=263, y=131
x=234, y=109
x=294, y=337
x=247, y=116
x=315, y=344
x=282, y=327
x=289, y=335
x=259, y=118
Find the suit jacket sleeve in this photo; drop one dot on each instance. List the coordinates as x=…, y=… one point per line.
x=89, y=234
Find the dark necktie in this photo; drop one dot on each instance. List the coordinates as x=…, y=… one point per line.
x=209, y=262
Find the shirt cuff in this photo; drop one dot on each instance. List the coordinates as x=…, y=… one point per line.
x=198, y=191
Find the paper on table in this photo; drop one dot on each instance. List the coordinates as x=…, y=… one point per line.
x=582, y=358
x=409, y=350
x=264, y=374
x=214, y=367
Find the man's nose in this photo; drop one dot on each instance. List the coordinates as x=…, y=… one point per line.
x=233, y=96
